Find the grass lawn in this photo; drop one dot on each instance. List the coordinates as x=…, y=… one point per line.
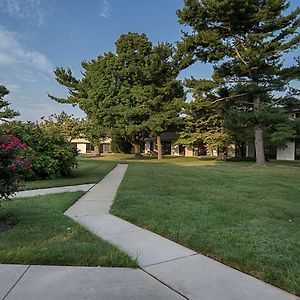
x=43, y=235
x=243, y=216
x=90, y=170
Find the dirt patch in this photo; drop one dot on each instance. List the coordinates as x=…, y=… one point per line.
x=6, y=223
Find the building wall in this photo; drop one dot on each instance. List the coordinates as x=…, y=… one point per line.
x=189, y=151
x=287, y=153
x=81, y=148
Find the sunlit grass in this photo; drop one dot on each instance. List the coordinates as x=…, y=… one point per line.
x=247, y=217
x=43, y=235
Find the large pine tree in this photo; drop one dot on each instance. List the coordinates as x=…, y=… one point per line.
x=246, y=40
x=132, y=93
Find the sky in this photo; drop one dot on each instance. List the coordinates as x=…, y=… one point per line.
x=36, y=36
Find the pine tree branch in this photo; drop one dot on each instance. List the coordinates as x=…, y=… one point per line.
x=230, y=97
x=240, y=57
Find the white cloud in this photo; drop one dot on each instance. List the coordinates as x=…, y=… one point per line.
x=13, y=53
x=105, y=9
x=34, y=10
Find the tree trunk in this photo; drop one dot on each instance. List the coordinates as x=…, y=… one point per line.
x=97, y=150
x=259, y=137
x=159, y=147
x=259, y=146
x=137, y=150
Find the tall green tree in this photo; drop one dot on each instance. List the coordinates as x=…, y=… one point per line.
x=5, y=112
x=246, y=40
x=132, y=93
x=165, y=95
x=108, y=92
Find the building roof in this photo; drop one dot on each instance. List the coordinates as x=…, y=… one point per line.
x=168, y=136
x=85, y=141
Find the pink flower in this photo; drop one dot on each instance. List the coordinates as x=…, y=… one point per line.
x=9, y=147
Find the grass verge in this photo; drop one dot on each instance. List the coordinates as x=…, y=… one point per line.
x=43, y=235
x=244, y=216
x=90, y=170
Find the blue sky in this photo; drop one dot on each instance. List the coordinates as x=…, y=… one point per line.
x=38, y=35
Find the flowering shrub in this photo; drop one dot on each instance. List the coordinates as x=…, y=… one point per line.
x=12, y=166
x=50, y=154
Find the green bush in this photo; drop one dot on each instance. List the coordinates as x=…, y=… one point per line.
x=50, y=154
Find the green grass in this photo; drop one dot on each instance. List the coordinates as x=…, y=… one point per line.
x=43, y=235
x=90, y=170
x=244, y=216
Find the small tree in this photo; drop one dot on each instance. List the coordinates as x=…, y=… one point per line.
x=5, y=112
x=68, y=126
x=246, y=40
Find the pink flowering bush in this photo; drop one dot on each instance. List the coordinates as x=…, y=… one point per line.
x=12, y=166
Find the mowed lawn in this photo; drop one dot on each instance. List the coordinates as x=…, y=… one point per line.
x=90, y=170
x=244, y=216
x=43, y=235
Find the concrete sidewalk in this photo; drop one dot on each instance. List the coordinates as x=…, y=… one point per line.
x=55, y=190
x=189, y=274
x=77, y=283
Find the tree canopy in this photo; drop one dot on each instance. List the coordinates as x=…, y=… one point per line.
x=68, y=126
x=247, y=40
x=132, y=93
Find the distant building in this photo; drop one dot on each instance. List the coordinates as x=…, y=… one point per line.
x=168, y=141
x=84, y=146
x=292, y=151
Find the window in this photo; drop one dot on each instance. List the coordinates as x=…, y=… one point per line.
x=105, y=148
x=89, y=148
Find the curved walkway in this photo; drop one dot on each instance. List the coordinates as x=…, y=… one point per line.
x=168, y=270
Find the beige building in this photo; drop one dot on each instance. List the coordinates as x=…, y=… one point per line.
x=84, y=146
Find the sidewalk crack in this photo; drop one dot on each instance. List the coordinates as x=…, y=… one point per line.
x=166, y=285
x=170, y=260
x=15, y=283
